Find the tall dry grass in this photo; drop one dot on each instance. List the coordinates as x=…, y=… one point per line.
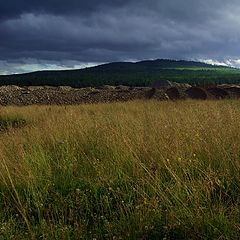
x=138, y=170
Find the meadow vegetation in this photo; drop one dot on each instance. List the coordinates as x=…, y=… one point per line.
x=136, y=170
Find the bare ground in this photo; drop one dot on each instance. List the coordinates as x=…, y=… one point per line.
x=63, y=95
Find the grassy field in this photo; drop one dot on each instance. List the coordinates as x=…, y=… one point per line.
x=137, y=170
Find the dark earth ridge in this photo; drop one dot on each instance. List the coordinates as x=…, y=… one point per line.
x=64, y=95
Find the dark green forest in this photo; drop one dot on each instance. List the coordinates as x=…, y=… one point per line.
x=142, y=73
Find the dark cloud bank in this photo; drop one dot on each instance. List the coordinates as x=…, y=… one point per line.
x=64, y=34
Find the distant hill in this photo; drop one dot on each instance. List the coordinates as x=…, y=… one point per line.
x=153, y=65
x=131, y=74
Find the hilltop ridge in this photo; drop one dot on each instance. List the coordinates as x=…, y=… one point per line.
x=142, y=73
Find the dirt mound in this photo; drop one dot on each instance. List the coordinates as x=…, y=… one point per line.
x=165, y=84
x=233, y=91
x=63, y=95
x=107, y=87
x=228, y=85
x=33, y=88
x=160, y=95
x=150, y=93
x=156, y=94
x=122, y=88
x=197, y=93
x=12, y=95
x=218, y=93
x=173, y=93
x=10, y=88
x=64, y=88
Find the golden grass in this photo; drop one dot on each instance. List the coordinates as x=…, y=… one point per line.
x=137, y=170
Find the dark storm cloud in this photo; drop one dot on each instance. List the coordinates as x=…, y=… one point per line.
x=14, y=8
x=112, y=30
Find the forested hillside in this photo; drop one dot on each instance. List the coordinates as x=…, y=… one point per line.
x=131, y=74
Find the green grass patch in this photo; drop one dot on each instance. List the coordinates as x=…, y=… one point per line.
x=9, y=122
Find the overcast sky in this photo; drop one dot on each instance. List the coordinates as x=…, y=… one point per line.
x=59, y=34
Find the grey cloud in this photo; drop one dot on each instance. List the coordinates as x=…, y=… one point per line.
x=14, y=8
x=102, y=31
